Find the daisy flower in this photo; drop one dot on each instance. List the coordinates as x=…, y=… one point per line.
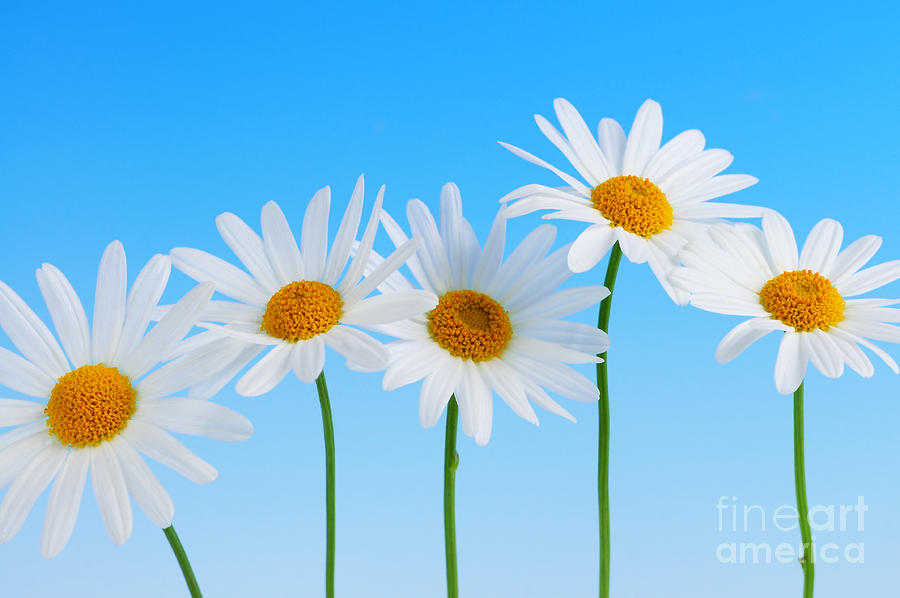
x=745, y=271
x=103, y=402
x=496, y=329
x=296, y=300
x=649, y=199
x=637, y=198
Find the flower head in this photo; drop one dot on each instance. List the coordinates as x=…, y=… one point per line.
x=297, y=299
x=496, y=326
x=103, y=400
x=649, y=199
x=745, y=271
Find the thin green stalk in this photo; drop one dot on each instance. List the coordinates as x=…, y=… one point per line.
x=615, y=256
x=183, y=562
x=328, y=427
x=808, y=558
x=451, y=462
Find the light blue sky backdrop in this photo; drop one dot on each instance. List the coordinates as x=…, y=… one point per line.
x=142, y=123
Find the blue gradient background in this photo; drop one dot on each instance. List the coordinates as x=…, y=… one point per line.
x=143, y=123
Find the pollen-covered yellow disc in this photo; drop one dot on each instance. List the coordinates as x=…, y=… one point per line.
x=470, y=325
x=634, y=203
x=803, y=299
x=89, y=405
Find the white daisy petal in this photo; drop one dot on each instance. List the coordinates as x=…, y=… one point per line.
x=823, y=353
x=343, y=241
x=475, y=404
x=532, y=248
x=563, y=303
x=556, y=377
x=852, y=258
x=208, y=388
x=881, y=353
x=539, y=396
x=662, y=266
x=23, y=376
x=693, y=171
x=111, y=492
x=492, y=255
x=308, y=359
x=503, y=380
x=314, y=235
x=196, y=418
x=232, y=312
x=364, y=249
x=109, y=303
x=30, y=335
x=582, y=141
x=790, y=365
x=590, y=247
x=743, y=335
x=575, y=335
x=67, y=314
x=728, y=304
x=436, y=391
x=822, y=246
x=381, y=272
x=229, y=280
x=854, y=356
x=384, y=309
x=357, y=347
x=19, y=447
x=14, y=412
x=571, y=181
x=611, y=138
x=26, y=488
x=143, y=485
x=543, y=350
x=711, y=210
x=248, y=247
x=280, y=245
x=717, y=186
x=267, y=372
x=780, y=241
x=871, y=278
x=643, y=139
x=160, y=446
x=563, y=145
x=239, y=332
x=64, y=503
x=682, y=147
x=433, y=257
x=634, y=247
x=188, y=369
x=143, y=297
x=410, y=362
x=399, y=238
x=168, y=332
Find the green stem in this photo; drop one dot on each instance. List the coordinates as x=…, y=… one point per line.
x=451, y=462
x=612, y=269
x=183, y=562
x=328, y=427
x=808, y=558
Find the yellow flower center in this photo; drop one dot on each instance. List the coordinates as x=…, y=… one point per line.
x=301, y=310
x=470, y=325
x=803, y=299
x=635, y=204
x=89, y=405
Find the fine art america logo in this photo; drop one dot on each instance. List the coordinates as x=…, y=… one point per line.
x=756, y=535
